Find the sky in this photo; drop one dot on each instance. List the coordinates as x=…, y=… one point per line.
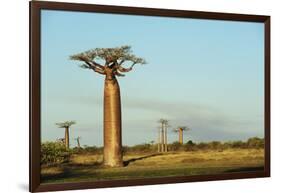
x=205, y=74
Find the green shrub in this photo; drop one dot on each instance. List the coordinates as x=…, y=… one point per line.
x=202, y=146
x=176, y=146
x=54, y=153
x=238, y=144
x=190, y=146
x=255, y=142
x=227, y=145
x=215, y=145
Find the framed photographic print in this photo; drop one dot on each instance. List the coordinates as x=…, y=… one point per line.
x=123, y=96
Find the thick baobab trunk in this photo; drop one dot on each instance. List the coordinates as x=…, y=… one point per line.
x=180, y=136
x=162, y=139
x=66, y=137
x=166, y=143
x=78, y=143
x=112, y=124
x=159, y=139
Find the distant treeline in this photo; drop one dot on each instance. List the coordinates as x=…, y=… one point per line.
x=55, y=152
x=254, y=142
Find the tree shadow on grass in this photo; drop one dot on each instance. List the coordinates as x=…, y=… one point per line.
x=246, y=169
x=127, y=162
x=54, y=176
x=94, y=164
x=71, y=171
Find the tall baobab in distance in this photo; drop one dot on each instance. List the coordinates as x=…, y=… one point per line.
x=159, y=139
x=163, y=135
x=78, y=141
x=166, y=135
x=113, y=64
x=66, y=125
x=180, y=130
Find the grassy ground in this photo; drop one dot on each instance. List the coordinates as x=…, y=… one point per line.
x=88, y=167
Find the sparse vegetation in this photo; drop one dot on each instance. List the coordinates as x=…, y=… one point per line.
x=144, y=161
x=88, y=167
x=254, y=142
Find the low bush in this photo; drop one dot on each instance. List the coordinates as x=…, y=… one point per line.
x=54, y=153
x=190, y=146
x=255, y=142
x=176, y=146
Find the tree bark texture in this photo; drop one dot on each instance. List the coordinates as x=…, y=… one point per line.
x=66, y=137
x=162, y=139
x=159, y=139
x=166, y=140
x=180, y=136
x=78, y=143
x=112, y=124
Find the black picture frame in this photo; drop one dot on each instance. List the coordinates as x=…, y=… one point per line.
x=36, y=6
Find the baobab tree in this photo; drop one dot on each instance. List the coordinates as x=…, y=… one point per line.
x=66, y=125
x=110, y=62
x=180, y=130
x=166, y=125
x=163, y=135
x=78, y=141
x=159, y=138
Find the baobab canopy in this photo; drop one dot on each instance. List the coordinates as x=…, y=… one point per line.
x=184, y=128
x=65, y=124
x=113, y=58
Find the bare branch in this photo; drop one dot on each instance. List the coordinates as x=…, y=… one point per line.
x=131, y=58
x=98, y=70
x=119, y=74
x=85, y=66
x=122, y=69
x=96, y=64
x=163, y=121
x=87, y=57
x=113, y=57
x=184, y=128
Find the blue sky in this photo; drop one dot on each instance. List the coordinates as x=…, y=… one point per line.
x=206, y=74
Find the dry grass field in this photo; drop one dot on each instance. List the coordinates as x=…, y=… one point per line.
x=88, y=167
